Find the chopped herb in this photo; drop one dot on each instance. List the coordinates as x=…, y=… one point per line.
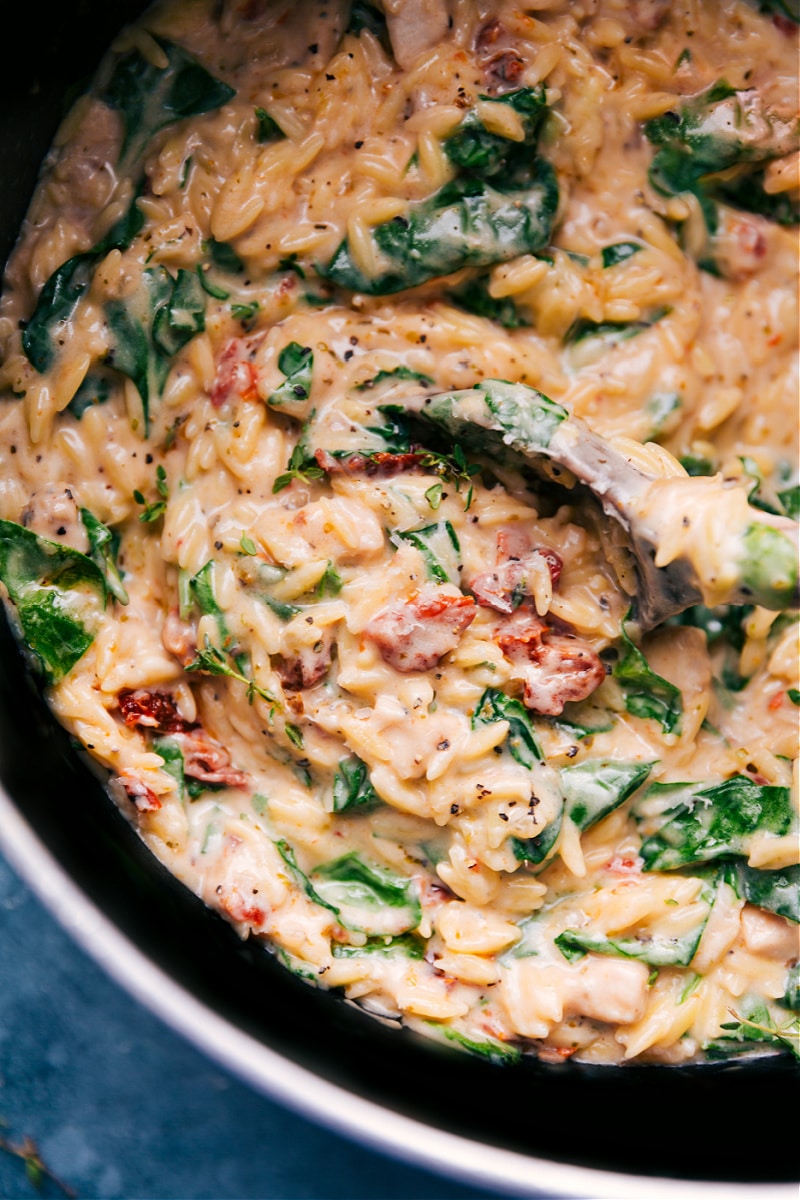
x=296, y=362
x=213, y=661
x=246, y=313
x=267, y=128
x=646, y=694
x=294, y=735
x=433, y=495
x=618, y=253
x=331, y=582
x=352, y=789
x=400, y=372
x=103, y=550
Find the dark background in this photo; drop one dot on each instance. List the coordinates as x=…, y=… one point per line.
x=120, y=1106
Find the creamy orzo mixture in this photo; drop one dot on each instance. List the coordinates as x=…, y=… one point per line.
x=378, y=694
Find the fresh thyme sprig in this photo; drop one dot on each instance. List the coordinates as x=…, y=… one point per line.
x=214, y=661
x=152, y=512
x=452, y=468
x=36, y=1169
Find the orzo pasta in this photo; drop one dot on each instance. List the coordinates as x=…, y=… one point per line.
x=377, y=693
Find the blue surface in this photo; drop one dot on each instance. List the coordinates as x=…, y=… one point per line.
x=120, y=1106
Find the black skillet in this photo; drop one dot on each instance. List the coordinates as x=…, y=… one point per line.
x=306, y=1047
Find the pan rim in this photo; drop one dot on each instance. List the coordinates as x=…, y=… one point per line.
x=287, y=1083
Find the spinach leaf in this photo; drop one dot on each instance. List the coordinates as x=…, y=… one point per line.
x=782, y=8
x=768, y=565
x=57, y=593
x=619, y=252
x=776, y=891
x=224, y=257
x=522, y=742
x=709, y=133
x=646, y=693
x=149, y=97
x=695, y=464
x=405, y=945
x=352, y=789
x=595, y=787
x=658, y=948
x=439, y=546
x=267, y=128
x=297, y=363
x=791, y=997
x=287, y=854
x=754, y=1023
x=103, y=550
x=179, y=315
x=717, y=821
x=490, y=1048
x=368, y=896
x=171, y=756
x=466, y=223
x=790, y=500
x=61, y=293
x=95, y=389
x=149, y=329
x=662, y=409
x=611, y=332
x=476, y=150
x=367, y=16
x=474, y=297
x=395, y=433
x=585, y=723
x=748, y=194
x=400, y=372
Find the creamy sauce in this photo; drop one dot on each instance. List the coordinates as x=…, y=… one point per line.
x=377, y=700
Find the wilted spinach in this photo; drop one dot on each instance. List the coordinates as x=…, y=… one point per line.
x=502, y=203
x=150, y=97
x=646, y=693
x=58, y=595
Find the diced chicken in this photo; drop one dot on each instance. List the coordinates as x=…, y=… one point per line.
x=415, y=26
x=506, y=586
x=742, y=244
x=414, y=635
x=608, y=989
x=554, y=668
x=53, y=513
x=308, y=666
x=207, y=761
x=766, y=934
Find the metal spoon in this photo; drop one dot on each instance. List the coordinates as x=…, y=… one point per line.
x=688, y=540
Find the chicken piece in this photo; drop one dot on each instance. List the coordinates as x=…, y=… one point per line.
x=505, y=587
x=414, y=635
x=555, y=668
